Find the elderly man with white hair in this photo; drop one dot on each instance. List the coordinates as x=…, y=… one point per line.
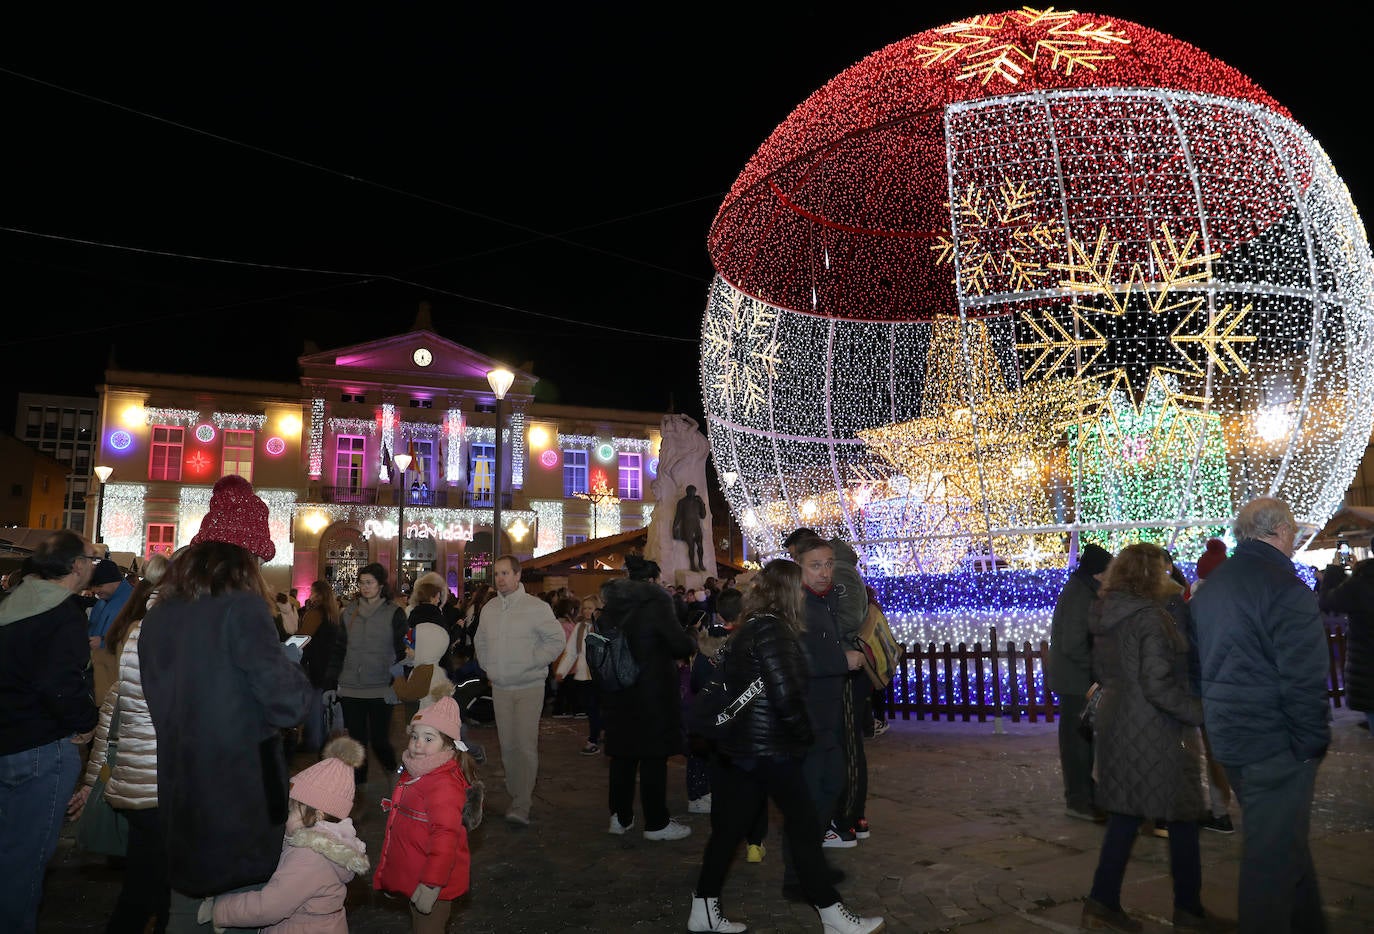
x=1264, y=661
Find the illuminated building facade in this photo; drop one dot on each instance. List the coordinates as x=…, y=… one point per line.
x=322, y=454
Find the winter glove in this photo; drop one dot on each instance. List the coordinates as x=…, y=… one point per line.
x=205, y=914
x=293, y=652
x=398, y=670
x=424, y=897
x=329, y=698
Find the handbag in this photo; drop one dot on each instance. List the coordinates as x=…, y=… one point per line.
x=713, y=711
x=1088, y=718
x=101, y=828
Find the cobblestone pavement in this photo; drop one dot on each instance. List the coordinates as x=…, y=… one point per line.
x=969, y=833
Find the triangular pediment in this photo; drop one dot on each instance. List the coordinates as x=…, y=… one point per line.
x=447, y=360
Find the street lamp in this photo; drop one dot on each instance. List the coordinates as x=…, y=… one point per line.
x=500, y=380
x=102, y=474
x=402, y=465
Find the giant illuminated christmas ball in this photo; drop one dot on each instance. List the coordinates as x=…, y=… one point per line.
x=1030, y=274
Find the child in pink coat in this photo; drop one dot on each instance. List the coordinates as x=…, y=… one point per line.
x=321, y=855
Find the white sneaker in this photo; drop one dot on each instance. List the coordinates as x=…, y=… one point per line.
x=838, y=919
x=834, y=841
x=700, y=805
x=669, y=831
x=617, y=827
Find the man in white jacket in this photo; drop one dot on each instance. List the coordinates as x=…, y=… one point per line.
x=517, y=639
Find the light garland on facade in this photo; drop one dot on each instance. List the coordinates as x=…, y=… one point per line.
x=122, y=524
x=430, y=515
x=453, y=432
x=517, y=448
x=633, y=445
x=1078, y=316
x=549, y=513
x=316, y=438
x=353, y=426
x=420, y=430
x=238, y=421
x=387, y=428
x=577, y=442
x=646, y=513
x=484, y=434
x=156, y=416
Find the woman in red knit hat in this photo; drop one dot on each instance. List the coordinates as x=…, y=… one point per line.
x=220, y=689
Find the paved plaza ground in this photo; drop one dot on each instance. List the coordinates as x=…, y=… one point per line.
x=969, y=834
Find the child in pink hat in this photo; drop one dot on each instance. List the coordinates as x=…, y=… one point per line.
x=437, y=800
x=321, y=855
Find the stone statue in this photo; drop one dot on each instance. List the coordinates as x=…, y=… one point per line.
x=681, y=464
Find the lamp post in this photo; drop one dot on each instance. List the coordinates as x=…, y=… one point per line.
x=402, y=465
x=500, y=380
x=102, y=474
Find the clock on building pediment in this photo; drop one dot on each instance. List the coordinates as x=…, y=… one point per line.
x=422, y=356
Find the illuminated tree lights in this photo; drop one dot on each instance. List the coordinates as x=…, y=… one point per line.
x=1031, y=276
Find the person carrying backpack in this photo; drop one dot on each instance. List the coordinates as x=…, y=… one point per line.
x=644, y=720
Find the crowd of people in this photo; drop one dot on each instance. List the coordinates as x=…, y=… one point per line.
x=1159, y=676
x=179, y=696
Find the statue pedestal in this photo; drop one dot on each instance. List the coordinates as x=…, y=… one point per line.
x=691, y=580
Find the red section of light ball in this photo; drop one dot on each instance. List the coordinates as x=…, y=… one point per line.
x=837, y=212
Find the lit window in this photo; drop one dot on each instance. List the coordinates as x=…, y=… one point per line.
x=238, y=454
x=348, y=464
x=631, y=471
x=481, y=469
x=574, y=472
x=165, y=461
x=161, y=539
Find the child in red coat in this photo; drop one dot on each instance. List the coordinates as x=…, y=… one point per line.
x=437, y=801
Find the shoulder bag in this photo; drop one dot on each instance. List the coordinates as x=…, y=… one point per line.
x=102, y=829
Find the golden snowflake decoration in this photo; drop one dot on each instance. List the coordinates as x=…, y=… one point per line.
x=974, y=44
x=1002, y=242
x=1174, y=266
x=743, y=353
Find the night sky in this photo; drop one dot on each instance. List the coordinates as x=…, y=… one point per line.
x=531, y=172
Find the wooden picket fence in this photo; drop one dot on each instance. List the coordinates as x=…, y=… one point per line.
x=968, y=682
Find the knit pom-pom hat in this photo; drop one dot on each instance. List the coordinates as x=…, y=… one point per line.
x=1213, y=555
x=328, y=784
x=237, y=516
x=443, y=716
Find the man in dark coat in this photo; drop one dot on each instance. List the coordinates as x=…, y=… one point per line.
x=46, y=715
x=1264, y=660
x=644, y=721
x=829, y=663
x=1070, y=676
x=1355, y=598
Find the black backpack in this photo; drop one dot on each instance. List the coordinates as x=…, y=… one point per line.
x=608, y=657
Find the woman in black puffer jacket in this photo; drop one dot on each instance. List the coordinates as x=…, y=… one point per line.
x=762, y=753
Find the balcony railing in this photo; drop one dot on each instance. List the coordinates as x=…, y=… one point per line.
x=364, y=495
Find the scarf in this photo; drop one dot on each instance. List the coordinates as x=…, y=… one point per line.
x=420, y=766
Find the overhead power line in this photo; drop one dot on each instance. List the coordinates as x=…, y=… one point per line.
x=382, y=186
x=360, y=276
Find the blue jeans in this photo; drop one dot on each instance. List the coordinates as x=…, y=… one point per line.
x=35, y=786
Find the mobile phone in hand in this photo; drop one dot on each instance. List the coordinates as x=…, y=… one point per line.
x=298, y=641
